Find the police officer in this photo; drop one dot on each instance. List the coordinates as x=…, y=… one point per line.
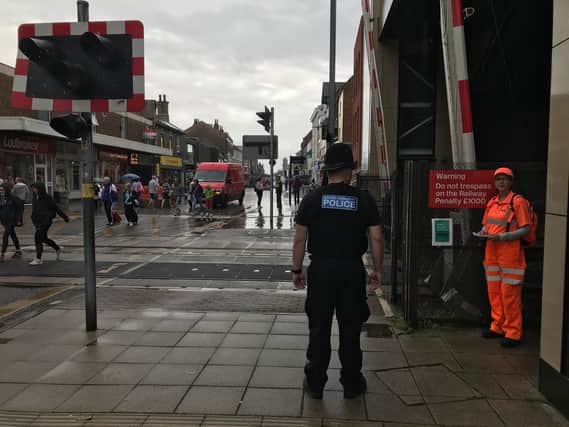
x=337, y=220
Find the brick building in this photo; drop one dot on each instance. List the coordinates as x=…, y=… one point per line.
x=143, y=143
x=210, y=142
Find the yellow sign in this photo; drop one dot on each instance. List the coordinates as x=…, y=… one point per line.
x=88, y=191
x=175, y=162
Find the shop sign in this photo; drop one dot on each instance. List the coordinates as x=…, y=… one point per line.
x=27, y=145
x=457, y=188
x=441, y=229
x=113, y=157
x=174, y=162
x=134, y=159
x=150, y=134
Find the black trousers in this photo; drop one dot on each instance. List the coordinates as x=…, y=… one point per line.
x=279, y=201
x=10, y=231
x=335, y=285
x=41, y=237
x=296, y=197
x=108, y=205
x=259, y=197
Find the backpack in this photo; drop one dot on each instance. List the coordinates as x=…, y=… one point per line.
x=530, y=238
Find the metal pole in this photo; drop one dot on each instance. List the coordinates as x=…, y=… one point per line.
x=272, y=160
x=290, y=181
x=88, y=207
x=332, y=80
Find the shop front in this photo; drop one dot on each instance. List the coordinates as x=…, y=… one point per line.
x=67, y=184
x=28, y=157
x=113, y=164
x=171, y=169
x=142, y=165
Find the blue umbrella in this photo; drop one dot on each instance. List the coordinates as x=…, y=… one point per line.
x=130, y=177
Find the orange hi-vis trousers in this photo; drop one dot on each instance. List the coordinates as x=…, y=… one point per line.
x=505, y=294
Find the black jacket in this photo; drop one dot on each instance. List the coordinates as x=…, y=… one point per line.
x=44, y=210
x=9, y=208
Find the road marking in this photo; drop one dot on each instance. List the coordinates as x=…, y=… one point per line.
x=136, y=267
x=112, y=267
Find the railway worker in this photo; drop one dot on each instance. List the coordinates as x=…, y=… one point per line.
x=506, y=221
x=336, y=220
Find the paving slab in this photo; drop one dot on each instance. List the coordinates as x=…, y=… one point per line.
x=439, y=381
x=484, y=384
x=164, y=374
x=277, y=377
x=226, y=376
x=24, y=372
x=98, y=353
x=252, y=327
x=334, y=406
x=527, y=413
x=276, y=357
x=383, y=360
x=159, y=339
x=235, y=356
x=382, y=407
x=122, y=373
x=411, y=343
x=400, y=381
x=120, y=337
x=70, y=372
x=466, y=413
x=483, y=363
x=244, y=340
x=54, y=353
x=7, y=391
x=95, y=398
x=213, y=326
x=290, y=328
x=189, y=355
x=174, y=325
x=445, y=358
x=136, y=324
x=152, y=398
x=298, y=342
x=199, y=339
x=518, y=387
x=256, y=317
x=40, y=397
x=142, y=355
x=211, y=400
x=273, y=402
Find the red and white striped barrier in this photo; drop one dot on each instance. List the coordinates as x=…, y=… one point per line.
x=134, y=28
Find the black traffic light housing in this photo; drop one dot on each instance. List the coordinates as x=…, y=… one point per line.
x=266, y=119
x=72, y=126
x=89, y=66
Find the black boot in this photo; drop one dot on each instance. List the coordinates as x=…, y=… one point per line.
x=510, y=343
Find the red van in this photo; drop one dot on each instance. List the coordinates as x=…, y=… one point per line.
x=225, y=179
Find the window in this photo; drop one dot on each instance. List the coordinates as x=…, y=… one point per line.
x=75, y=176
x=210, y=175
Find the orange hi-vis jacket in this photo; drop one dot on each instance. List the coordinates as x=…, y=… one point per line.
x=506, y=254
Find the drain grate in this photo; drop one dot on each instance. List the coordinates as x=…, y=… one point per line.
x=377, y=330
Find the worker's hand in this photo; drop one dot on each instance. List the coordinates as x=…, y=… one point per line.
x=298, y=280
x=374, y=281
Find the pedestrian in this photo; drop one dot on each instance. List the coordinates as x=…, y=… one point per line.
x=153, y=190
x=9, y=218
x=177, y=197
x=296, y=186
x=166, y=194
x=130, y=204
x=208, y=195
x=20, y=191
x=336, y=220
x=44, y=210
x=191, y=188
x=197, y=197
x=108, y=195
x=137, y=188
x=96, y=192
x=259, y=188
x=506, y=221
x=279, y=194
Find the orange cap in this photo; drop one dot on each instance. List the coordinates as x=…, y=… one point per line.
x=505, y=171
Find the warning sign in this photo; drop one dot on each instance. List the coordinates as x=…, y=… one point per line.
x=460, y=188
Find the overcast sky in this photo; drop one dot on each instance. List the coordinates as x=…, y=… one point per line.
x=222, y=59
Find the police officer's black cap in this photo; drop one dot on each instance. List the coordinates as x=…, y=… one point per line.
x=339, y=156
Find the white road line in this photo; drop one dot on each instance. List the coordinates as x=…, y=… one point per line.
x=136, y=267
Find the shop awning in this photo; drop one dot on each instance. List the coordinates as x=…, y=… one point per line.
x=39, y=127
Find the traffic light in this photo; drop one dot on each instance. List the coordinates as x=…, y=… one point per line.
x=72, y=126
x=266, y=118
x=81, y=67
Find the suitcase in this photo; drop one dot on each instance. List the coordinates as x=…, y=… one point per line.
x=116, y=217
